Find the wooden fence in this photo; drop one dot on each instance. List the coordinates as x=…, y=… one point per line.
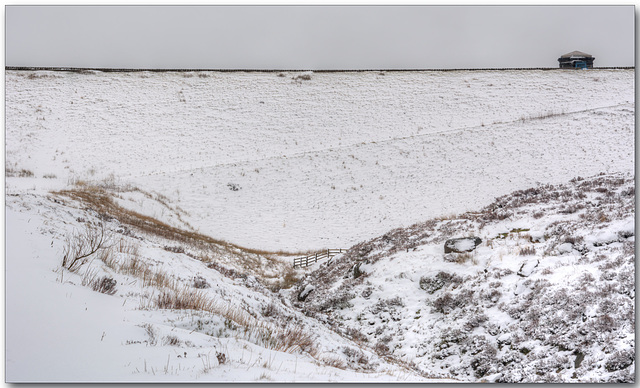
x=308, y=260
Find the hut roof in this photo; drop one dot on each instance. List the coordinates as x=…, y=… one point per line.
x=576, y=54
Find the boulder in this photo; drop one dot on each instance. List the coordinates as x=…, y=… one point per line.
x=461, y=245
x=361, y=269
x=302, y=296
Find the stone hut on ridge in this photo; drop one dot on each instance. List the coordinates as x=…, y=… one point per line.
x=576, y=60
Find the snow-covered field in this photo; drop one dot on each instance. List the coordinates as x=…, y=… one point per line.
x=167, y=161
x=323, y=163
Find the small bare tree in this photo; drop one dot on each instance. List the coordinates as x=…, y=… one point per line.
x=81, y=246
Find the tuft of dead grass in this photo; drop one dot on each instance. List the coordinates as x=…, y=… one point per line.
x=103, y=284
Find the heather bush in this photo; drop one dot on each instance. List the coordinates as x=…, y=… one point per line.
x=357, y=358
x=337, y=303
x=442, y=279
x=620, y=360
x=356, y=335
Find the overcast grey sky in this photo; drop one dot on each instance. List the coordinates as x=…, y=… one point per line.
x=316, y=37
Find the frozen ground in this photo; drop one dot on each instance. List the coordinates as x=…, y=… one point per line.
x=268, y=162
x=323, y=163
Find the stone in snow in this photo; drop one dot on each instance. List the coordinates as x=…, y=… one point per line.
x=460, y=245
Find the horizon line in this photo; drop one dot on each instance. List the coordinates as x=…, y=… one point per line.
x=113, y=69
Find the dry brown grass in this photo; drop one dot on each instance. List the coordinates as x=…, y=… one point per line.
x=171, y=293
x=184, y=299
x=101, y=200
x=333, y=362
x=127, y=247
x=290, y=339
x=265, y=265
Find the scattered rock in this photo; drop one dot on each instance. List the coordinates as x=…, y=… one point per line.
x=460, y=245
x=527, y=268
x=305, y=292
x=360, y=269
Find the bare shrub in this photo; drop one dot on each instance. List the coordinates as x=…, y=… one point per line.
x=22, y=173
x=356, y=335
x=173, y=249
x=381, y=348
x=337, y=303
x=233, y=186
x=171, y=340
x=538, y=214
x=527, y=251
x=200, y=282
x=270, y=310
x=357, y=357
x=302, y=77
x=334, y=362
x=104, y=284
x=82, y=246
x=151, y=333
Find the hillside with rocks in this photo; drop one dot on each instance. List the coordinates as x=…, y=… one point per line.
x=547, y=296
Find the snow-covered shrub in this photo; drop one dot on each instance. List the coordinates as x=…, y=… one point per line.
x=173, y=249
x=355, y=335
x=475, y=321
x=306, y=76
x=171, y=340
x=442, y=279
x=620, y=360
x=381, y=348
x=200, y=282
x=233, y=186
x=527, y=251
x=151, y=333
x=21, y=173
x=357, y=358
x=334, y=362
x=270, y=310
x=448, y=302
x=337, y=303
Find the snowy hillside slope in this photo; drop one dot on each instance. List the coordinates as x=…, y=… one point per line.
x=206, y=183
x=153, y=307
x=307, y=163
x=548, y=295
